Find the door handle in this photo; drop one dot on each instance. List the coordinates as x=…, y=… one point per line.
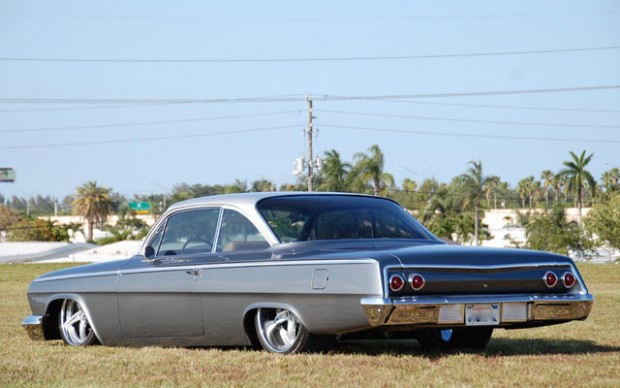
x=193, y=272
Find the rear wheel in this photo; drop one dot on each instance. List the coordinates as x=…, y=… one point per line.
x=461, y=338
x=75, y=329
x=280, y=331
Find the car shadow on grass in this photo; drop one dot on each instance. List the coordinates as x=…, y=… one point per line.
x=496, y=348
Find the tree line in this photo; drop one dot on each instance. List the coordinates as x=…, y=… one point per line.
x=452, y=210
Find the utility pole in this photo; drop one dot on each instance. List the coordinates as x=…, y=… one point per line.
x=310, y=159
x=310, y=163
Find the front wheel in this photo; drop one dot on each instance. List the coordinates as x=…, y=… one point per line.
x=75, y=329
x=280, y=331
x=461, y=338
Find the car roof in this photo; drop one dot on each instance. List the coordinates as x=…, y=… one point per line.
x=250, y=199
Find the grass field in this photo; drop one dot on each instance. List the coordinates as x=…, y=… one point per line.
x=573, y=354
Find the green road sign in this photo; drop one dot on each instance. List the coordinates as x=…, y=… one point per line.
x=7, y=174
x=140, y=207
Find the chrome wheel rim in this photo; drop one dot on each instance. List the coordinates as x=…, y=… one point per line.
x=74, y=324
x=278, y=328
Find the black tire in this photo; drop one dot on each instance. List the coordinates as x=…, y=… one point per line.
x=75, y=329
x=280, y=331
x=461, y=338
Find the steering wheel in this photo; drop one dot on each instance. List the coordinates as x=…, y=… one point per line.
x=197, y=240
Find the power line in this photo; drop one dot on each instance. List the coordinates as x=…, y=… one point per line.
x=471, y=135
x=307, y=19
x=308, y=59
x=137, y=140
x=276, y=98
x=488, y=106
x=120, y=105
x=115, y=106
x=526, y=123
x=508, y=107
x=467, y=94
x=161, y=122
x=148, y=100
x=302, y=98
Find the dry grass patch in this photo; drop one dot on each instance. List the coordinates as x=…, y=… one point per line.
x=580, y=353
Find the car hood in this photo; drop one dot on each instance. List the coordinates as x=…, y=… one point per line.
x=108, y=266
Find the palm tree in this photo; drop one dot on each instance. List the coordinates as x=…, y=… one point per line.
x=436, y=201
x=580, y=180
x=409, y=196
x=410, y=186
x=370, y=168
x=529, y=189
x=492, y=184
x=262, y=185
x=93, y=203
x=562, y=183
x=436, y=209
x=556, y=184
x=475, y=184
x=427, y=188
x=547, y=182
x=611, y=180
x=334, y=173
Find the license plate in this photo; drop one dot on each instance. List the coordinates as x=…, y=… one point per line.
x=482, y=314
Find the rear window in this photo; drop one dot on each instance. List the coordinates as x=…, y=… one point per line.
x=325, y=217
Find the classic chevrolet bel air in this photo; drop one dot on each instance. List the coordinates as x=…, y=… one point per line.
x=292, y=272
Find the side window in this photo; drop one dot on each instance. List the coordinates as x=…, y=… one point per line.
x=237, y=233
x=189, y=232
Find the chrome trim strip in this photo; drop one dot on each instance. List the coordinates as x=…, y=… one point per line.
x=76, y=276
x=33, y=324
x=255, y=264
x=211, y=266
x=218, y=227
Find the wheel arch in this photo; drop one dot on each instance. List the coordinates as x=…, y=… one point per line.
x=250, y=313
x=52, y=311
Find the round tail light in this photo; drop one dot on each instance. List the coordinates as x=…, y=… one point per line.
x=396, y=283
x=417, y=281
x=550, y=279
x=568, y=279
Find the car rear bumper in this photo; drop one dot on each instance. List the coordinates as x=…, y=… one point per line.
x=514, y=310
x=34, y=327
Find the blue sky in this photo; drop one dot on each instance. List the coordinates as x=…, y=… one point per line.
x=131, y=72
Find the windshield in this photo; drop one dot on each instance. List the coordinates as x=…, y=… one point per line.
x=330, y=217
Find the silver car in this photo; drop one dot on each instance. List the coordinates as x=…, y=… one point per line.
x=291, y=272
